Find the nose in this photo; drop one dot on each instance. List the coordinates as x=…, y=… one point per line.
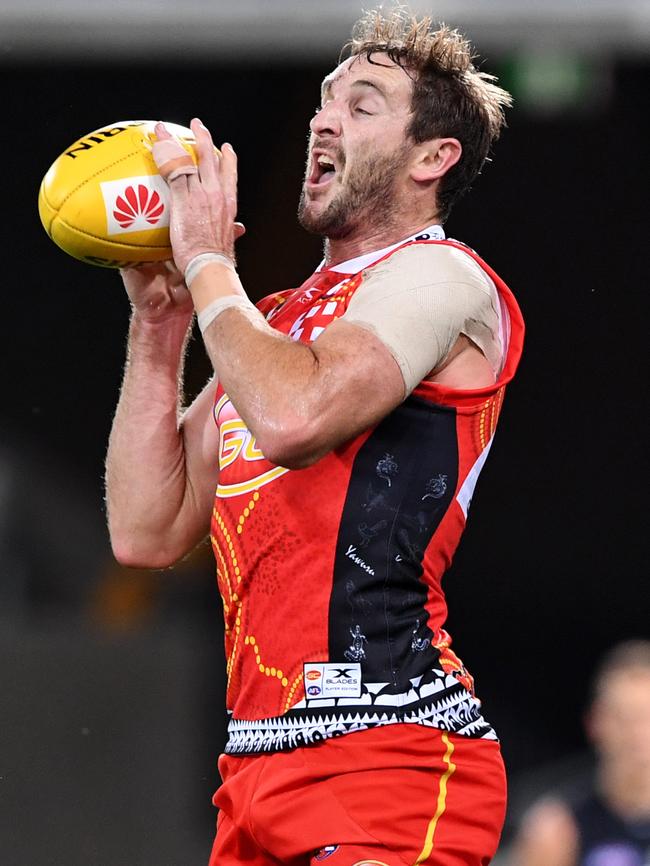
x=327, y=120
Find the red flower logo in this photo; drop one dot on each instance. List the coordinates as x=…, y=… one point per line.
x=141, y=202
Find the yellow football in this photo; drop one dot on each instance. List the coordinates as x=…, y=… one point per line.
x=104, y=202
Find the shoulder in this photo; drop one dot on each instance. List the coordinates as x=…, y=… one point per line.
x=419, y=264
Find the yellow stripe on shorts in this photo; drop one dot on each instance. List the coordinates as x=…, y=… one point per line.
x=442, y=802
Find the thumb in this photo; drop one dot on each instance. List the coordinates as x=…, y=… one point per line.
x=239, y=230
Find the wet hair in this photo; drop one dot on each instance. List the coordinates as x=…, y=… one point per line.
x=451, y=97
x=625, y=657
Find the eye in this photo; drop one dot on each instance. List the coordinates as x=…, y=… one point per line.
x=359, y=110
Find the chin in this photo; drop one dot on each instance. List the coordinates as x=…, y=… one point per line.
x=312, y=215
x=329, y=219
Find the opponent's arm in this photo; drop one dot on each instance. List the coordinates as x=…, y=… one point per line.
x=161, y=465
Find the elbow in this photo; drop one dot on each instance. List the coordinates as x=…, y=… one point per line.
x=133, y=552
x=294, y=446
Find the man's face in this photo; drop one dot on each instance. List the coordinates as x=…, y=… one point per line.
x=356, y=162
x=619, y=723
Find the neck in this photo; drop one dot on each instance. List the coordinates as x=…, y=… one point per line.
x=357, y=244
x=626, y=788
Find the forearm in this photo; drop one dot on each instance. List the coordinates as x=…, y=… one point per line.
x=271, y=380
x=145, y=467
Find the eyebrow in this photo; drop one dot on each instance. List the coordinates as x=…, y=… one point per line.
x=326, y=86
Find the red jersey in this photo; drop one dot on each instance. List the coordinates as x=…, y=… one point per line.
x=331, y=575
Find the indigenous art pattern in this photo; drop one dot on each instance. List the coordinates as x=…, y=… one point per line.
x=337, y=568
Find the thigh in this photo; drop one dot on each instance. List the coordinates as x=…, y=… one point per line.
x=234, y=846
x=426, y=796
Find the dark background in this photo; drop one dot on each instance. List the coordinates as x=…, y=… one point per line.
x=112, y=681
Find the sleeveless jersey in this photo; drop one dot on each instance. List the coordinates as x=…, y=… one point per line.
x=605, y=839
x=331, y=575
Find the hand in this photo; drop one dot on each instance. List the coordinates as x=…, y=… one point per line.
x=157, y=291
x=203, y=198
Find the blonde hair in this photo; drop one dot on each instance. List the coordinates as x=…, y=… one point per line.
x=451, y=97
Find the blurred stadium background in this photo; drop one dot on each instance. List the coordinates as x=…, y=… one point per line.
x=111, y=682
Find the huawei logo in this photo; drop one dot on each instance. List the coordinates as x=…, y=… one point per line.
x=138, y=203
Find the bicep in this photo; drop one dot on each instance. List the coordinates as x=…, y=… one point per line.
x=359, y=382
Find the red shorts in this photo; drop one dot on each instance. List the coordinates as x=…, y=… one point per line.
x=394, y=795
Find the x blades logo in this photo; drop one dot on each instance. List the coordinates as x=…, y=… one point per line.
x=336, y=679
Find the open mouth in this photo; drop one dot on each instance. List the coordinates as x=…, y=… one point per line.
x=323, y=170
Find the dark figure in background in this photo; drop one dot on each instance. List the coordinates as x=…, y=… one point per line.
x=610, y=826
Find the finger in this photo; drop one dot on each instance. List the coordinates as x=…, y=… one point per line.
x=208, y=155
x=229, y=177
x=239, y=229
x=171, y=158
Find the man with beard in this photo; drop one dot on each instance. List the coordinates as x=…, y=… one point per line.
x=353, y=416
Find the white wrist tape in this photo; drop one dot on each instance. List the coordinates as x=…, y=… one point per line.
x=195, y=265
x=207, y=316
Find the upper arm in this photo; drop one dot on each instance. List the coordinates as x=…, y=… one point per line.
x=201, y=449
x=386, y=342
x=547, y=836
x=421, y=300
x=400, y=324
x=359, y=383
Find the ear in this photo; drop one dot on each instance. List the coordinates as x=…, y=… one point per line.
x=432, y=159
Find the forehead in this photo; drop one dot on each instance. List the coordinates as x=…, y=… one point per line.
x=626, y=687
x=390, y=78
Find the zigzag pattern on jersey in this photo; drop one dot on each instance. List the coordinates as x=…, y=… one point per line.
x=439, y=701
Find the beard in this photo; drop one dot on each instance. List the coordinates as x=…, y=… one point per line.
x=366, y=197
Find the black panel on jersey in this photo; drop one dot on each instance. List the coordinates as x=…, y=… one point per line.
x=402, y=482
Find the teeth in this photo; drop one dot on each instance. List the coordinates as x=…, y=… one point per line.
x=325, y=160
